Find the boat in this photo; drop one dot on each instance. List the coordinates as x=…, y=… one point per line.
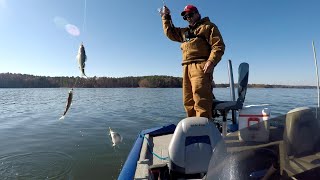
x=249, y=145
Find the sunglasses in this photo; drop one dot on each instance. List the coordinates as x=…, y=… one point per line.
x=190, y=15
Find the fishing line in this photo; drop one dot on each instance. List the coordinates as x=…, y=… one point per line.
x=84, y=24
x=73, y=30
x=74, y=85
x=84, y=16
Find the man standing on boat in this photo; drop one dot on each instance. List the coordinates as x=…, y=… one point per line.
x=202, y=48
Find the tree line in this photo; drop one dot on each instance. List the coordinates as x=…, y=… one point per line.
x=13, y=80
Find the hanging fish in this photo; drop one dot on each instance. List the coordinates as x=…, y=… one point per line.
x=82, y=57
x=115, y=137
x=69, y=101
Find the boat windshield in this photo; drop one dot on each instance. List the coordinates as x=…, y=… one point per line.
x=285, y=146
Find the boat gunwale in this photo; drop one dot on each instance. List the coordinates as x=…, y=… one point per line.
x=129, y=167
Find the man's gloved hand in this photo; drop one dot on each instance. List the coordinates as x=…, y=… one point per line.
x=164, y=11
x=208, y=67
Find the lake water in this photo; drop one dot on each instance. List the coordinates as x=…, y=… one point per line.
x=35, y=144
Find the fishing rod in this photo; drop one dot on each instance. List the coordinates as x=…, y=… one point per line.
x=172, y=27
x=160, y=10
x=164, y=4
x=316, y=64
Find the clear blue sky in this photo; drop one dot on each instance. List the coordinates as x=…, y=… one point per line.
x=125, y=38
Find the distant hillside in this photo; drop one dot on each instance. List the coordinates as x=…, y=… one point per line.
x=11, y=80
x=267, y=86
x=279, y=86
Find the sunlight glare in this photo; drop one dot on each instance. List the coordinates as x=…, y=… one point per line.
x=72, y=30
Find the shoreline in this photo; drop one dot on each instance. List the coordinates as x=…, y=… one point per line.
x=13, y=80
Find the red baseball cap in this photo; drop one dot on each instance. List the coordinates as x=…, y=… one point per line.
x=189, y=8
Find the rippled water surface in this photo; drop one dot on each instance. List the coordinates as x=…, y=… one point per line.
x=35, y=144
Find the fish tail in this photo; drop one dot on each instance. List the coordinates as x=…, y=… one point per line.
x=84, y=75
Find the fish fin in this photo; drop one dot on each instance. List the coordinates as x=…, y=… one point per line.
x=62, y=117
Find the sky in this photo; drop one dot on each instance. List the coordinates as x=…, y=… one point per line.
x=125, y=38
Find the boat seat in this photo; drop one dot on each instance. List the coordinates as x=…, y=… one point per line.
x=191, y=146
x=225, y=106
x=301, y=142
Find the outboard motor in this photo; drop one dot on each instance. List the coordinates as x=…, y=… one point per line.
x=191, y=147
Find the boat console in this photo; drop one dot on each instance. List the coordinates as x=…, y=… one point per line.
x=300, y=149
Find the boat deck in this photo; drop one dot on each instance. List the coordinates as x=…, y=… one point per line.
x=159, y=146
x=235, y=145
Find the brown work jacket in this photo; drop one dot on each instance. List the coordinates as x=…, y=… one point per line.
x=201, y=42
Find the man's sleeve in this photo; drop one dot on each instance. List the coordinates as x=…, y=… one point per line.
x=217, y=45
x=170, y=31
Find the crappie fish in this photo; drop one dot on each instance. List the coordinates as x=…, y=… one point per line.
x=115, y=137
x=69, y=101
x=82, y=57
